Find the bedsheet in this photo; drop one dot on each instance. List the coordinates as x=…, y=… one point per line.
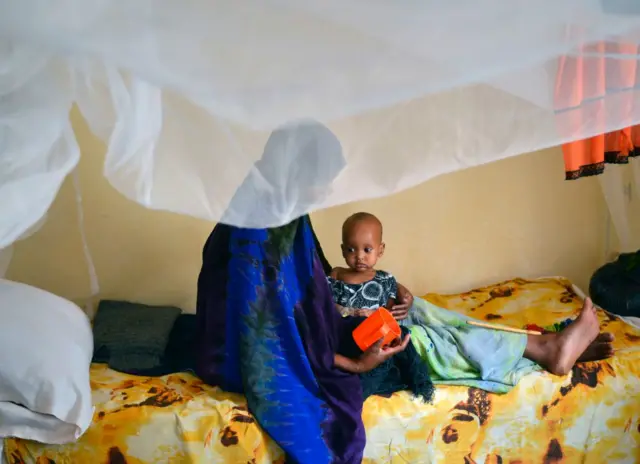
x=590, y=416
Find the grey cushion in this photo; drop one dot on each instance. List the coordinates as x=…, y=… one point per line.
x=132, y=337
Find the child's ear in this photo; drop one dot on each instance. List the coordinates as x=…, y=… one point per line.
x=343, y=249
x=382, y=247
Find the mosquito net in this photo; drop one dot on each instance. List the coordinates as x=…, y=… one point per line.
x=187, y=93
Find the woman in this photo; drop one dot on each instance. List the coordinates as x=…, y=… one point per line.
x=268, y=325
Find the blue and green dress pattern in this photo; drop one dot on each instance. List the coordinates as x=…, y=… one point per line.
x=268, y=329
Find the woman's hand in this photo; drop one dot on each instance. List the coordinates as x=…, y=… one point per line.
x=404, y=302
x=377, y=354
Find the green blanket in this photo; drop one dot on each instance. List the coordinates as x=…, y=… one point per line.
x=460, y=354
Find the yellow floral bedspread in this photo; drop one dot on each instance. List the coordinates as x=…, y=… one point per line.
x=590, y=416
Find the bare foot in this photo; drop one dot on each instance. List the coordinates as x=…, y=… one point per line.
x=558, y=352
x=600, y=348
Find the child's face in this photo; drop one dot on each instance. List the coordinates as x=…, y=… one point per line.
x=362, y=246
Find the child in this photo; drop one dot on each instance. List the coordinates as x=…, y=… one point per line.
x=454, y=350
x=360, y=289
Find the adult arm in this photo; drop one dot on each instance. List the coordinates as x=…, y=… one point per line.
x=404, y=301
x=373, y=357
x=347, y=364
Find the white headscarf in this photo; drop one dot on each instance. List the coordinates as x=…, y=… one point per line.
x=299, y=163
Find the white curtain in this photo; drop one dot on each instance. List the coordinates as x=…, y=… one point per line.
x=5, y=259
x=621, y=189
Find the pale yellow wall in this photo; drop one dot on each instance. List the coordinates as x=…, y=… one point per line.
x=516, y=217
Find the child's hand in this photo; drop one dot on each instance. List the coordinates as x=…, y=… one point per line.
x=376, y=354
x=363, y=312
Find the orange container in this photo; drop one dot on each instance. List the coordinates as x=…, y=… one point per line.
x=380, y=324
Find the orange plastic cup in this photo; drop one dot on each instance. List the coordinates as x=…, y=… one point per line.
x=380, y=324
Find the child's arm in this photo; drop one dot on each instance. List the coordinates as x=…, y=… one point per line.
x=335, y=273
x=363, y=312
x=344, y=311
x=334, y=284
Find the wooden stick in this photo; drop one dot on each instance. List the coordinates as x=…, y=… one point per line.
x=503, y=328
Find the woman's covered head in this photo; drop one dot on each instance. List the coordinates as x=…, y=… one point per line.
x=299, y=163
x=304, y=158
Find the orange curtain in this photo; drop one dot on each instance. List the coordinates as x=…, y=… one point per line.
x=582, y=83
x=588, y=157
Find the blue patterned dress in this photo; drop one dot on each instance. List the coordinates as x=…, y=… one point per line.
x=269, y=329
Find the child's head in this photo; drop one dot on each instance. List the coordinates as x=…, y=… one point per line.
x=362, y=244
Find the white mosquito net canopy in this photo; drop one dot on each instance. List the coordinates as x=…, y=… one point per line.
x=186, y=93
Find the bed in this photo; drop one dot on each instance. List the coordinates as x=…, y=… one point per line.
x=590, y=416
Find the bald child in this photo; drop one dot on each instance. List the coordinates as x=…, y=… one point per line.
x=359, y=289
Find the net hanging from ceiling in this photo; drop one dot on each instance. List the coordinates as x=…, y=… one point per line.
x=358, y=99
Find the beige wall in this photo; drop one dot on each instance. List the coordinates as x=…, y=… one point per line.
x=516, y=217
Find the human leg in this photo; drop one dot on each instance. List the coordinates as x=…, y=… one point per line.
x=558, y=352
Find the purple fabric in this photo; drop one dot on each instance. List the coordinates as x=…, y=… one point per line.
x=321, y=328
x=211, y=306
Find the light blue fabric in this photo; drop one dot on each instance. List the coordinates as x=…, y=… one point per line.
x=460, y=354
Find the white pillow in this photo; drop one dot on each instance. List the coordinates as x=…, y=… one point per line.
x=46, y=345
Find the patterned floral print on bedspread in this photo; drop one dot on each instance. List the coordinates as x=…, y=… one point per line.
x=591, y=416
